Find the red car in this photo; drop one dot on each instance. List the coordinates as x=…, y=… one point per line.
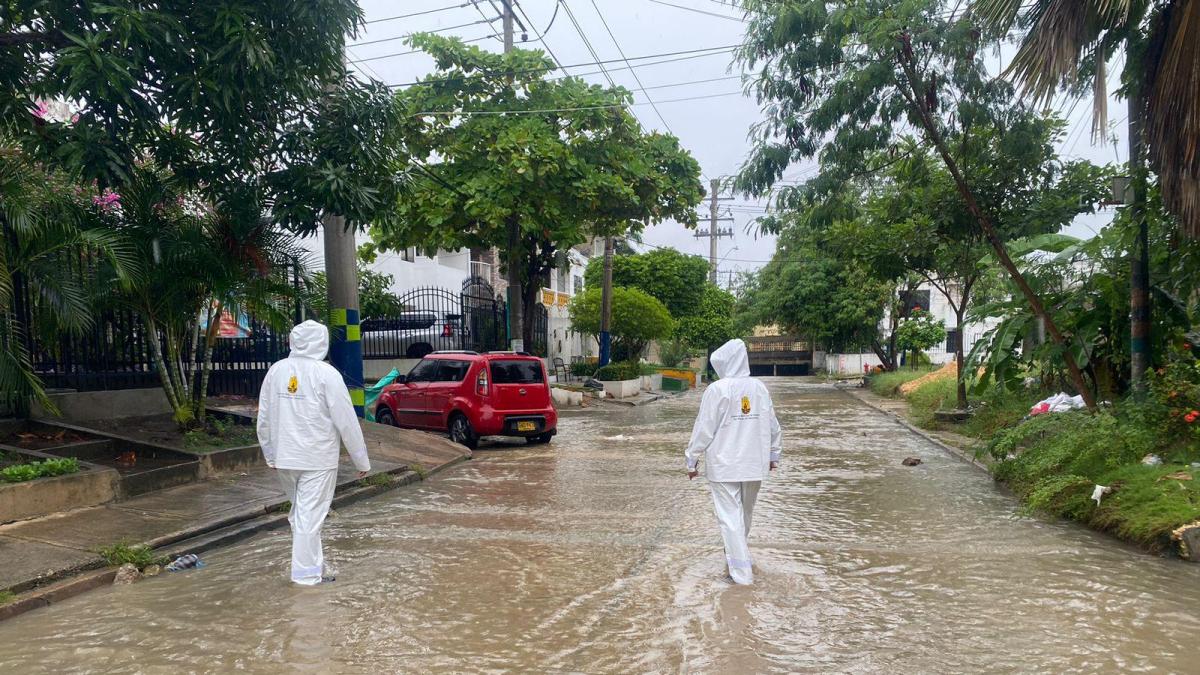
x=472, y=395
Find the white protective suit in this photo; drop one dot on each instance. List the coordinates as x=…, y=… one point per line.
x=739, y=437
x=304, y=417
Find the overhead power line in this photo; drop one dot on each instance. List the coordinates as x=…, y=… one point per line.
x=415, y=51
x=431, y=30
x=632, y=69
x=428, y=11
x=699, y=11
x=575, y=109
x=684, y=56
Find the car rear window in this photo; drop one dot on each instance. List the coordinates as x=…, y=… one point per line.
x=453, y=371
x=517, y=372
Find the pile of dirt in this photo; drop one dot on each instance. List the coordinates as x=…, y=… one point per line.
x=948, y=371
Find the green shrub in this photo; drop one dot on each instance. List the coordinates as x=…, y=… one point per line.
x=583, y=368
x=673, y=352
x=20, y=473
x=139, y=555
x=625, y=370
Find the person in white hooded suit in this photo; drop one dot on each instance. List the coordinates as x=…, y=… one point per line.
x=739, y=438
x=304, y=417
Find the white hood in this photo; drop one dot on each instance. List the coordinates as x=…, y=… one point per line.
x=731, y=360
x=310, y=340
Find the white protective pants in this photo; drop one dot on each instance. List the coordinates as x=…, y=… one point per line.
x=734, y=504
x=311, y=493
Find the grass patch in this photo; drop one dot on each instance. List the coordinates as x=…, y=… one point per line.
x=888, y=384
x=1053, y=462
x=419, y=469
x=378, y=480
x=285, y=507
x=7, y=597
x=926, y=400
x=219, y=434
x=139, y=555
x=997, y=411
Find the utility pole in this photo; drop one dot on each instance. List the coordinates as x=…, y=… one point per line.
x=341, y=272
x=606, y=305
x=1139, y=278
x=714, y=232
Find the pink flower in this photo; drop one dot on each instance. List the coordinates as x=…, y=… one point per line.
x=40, y=111
x=107, y=201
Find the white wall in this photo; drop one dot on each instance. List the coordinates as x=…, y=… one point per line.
x=445, y=270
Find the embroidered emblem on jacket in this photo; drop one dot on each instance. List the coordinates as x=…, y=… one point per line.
x=745, y=405
x=294, y=384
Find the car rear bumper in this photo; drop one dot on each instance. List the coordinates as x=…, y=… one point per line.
x=508, y=422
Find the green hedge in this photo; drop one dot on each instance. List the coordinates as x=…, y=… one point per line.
x=626, y=370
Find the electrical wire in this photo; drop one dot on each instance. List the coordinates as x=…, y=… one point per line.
x=575, y=109
x=431, y=30
x=698, y=11
x=588, y=43
x=686, y=55
x=541, y=37
x=428, y=11
x=415, y=51
x=632, y=70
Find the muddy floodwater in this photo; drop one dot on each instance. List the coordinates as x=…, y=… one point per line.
x=595, y=554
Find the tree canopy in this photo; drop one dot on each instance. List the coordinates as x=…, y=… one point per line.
x=676, y=279
x=637, y=319
x=510, y=151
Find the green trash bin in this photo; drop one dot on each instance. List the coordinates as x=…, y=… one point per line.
x=674, y=384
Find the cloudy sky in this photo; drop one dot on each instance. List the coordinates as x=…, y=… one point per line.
x=698, y=99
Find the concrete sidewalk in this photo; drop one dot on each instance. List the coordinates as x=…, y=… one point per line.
x=40, y=552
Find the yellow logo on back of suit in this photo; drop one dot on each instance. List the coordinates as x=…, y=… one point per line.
x=745, y=405
x=293, y=385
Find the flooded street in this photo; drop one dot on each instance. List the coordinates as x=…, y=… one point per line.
x=595, y=554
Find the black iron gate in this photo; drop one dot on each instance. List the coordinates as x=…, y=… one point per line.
x=438, y=319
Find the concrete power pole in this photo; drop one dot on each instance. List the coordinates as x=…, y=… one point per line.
x=516, y=289
x=714, y=232
x=341, y=272
x=606, y=305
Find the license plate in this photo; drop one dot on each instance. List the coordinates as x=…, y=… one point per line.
x=526, y=426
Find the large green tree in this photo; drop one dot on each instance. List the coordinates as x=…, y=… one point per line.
x=528, y=164
x=676, y=279
x=637, y=319
x=848, y=79
x=914, y=220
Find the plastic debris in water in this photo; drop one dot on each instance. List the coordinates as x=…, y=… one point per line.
x=186, y=562
x=1099, y=492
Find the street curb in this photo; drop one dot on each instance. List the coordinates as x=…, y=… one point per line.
x=960, y=453
x=205, y=537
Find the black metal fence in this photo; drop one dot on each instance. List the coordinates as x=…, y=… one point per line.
x=433, y=319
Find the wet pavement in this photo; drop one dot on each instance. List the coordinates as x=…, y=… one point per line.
x=595, y=554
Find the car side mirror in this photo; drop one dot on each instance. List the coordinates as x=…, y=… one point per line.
x=400, y=379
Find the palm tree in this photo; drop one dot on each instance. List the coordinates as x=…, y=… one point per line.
x=1068, y=41
x=54, y=238
x=197, y=261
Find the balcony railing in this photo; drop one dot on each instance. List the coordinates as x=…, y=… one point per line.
x=481, y=269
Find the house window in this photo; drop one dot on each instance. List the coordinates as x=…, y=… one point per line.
x=578, y=284
x=952, y=340
x=409, y=254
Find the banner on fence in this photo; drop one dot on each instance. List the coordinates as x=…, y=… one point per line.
x=227, y=326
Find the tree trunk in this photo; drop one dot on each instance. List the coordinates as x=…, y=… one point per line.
x=160, y=363
x=210, y=340
x=959, y=357
x=529, y=300
x=888, y=361
x=989, y=231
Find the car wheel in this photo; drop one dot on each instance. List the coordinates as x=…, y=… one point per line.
x=462, y=433
x=384, y=416
x=419, y=351
x=539, y=439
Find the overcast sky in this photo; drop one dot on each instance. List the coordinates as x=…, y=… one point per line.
x=714, y=129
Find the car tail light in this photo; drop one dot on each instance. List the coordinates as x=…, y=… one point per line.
x=481, y=384
x=447, y=330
